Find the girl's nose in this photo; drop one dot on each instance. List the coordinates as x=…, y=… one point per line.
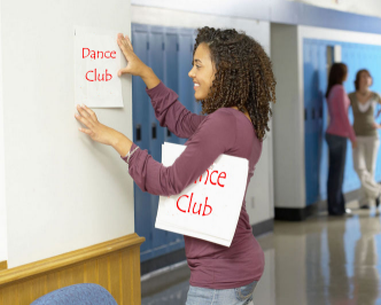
x=191, y=73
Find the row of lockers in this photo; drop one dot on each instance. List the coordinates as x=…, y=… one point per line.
x=169, y=52
x=316, y=59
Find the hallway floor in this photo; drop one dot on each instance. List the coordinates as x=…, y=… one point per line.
x=323, y=260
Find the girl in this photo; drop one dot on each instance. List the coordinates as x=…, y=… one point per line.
x=339, y=129
x=364, y=102
x=233, y=79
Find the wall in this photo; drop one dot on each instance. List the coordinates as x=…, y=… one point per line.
x=3, y=218
x=288, y=119
x=365, y=7
x=63, y=191
x=260, y=191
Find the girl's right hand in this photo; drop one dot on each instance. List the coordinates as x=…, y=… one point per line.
x=134, y=65
x=354, y=144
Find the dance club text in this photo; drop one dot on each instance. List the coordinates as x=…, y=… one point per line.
x=186, y=204
x=94, y=75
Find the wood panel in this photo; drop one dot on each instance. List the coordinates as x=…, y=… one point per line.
x=3, y=265
x=115, y=265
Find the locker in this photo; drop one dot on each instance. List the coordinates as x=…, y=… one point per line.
x=169, y=52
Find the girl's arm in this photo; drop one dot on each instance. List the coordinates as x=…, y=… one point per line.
x=215, y=137
x=168, y=110
x=338, y=97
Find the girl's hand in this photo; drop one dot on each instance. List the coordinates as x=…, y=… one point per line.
x=134, y=65
x=97, y=131
x=376, y=126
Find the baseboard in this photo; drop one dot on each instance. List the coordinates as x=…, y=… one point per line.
x=3, y=265
x=300, y=214
x=114, y=264
x=263, y=227
x=162, y=261
x=296, y=214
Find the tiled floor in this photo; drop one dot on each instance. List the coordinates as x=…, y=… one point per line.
x=323, y=260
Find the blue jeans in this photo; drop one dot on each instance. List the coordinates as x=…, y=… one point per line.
x=235, y=296
x=337, y=154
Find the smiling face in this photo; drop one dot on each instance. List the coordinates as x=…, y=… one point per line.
x=203, y=72
x=365, y=80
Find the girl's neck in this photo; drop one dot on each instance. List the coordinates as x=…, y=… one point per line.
x=363, y=91
x=246, y=113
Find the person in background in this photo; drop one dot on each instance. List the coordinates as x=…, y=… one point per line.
x=364, y=102
x=233, y=79
x=337, y=133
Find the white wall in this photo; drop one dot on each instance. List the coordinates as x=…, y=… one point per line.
x=364, y=7
x=338, y=35
x=288, y=120
x=260, y=192
x=3, y=218
x=63, y=191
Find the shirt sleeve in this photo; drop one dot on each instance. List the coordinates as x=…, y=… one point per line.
x=214, y=137
x=339, y=96
x=378, y=98
x=171, y=113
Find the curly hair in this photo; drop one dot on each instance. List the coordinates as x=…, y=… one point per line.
x=243, y=78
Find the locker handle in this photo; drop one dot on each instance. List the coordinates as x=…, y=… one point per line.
x=138, y=132
x=168, y=133
x=153, y=130
x=313, y=113
x=321, y=112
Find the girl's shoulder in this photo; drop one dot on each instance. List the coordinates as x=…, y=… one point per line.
x=376, y=96
x=352, y=96
x=338, y=87
x=336, y=90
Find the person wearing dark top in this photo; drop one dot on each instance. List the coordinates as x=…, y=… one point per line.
x=233, y=79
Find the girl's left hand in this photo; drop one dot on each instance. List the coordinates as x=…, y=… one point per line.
x=376, y=126
x=97, y=131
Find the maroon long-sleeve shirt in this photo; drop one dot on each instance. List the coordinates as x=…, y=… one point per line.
x=225, y=131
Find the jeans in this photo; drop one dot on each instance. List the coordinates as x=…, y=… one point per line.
x=337, y=154
x=235, y=296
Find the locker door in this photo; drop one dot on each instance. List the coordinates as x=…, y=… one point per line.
x=156, y=62
x=186, y=91
x=171, y=71
x=157, y=47
x=312, y=102
x=140, y=104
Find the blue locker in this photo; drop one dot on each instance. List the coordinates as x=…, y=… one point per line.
x=171, y=78
x=169, y=52
x=155, y=61
x=141, y=134
x=314, y=54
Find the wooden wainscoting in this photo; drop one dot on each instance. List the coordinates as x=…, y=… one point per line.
x=3, y=265
x=114, y=264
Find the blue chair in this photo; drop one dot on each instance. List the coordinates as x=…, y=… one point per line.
x=79, y=294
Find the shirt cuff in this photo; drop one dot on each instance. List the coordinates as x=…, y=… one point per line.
x=133, y=146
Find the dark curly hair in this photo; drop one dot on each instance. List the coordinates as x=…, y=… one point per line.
x=243, y=78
